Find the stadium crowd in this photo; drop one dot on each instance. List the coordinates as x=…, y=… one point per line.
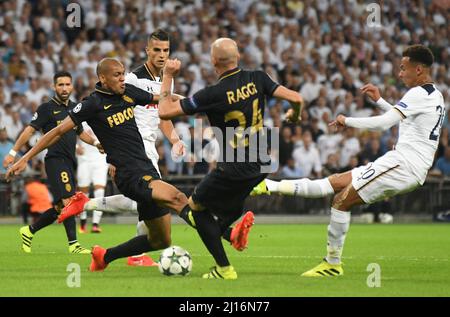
x=324, y=49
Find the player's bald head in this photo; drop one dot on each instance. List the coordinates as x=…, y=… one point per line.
x=106, y=65
x=224, y=52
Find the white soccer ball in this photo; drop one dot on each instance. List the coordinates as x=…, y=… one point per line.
x=175, y=261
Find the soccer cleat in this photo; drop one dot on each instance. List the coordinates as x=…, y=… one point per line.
x=76, y=248
x=27, y=237
x=74, y=207
x=82, y=229
x=141, y=260
x=260, y=189
x=225, y=273
x=325, y=269
x=98, y=263
x=96, y=229
x=239, y=234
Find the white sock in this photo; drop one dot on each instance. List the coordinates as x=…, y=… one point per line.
x=83, y=215
x=141, y=229
x=272, y=186
x=337, y=231
x=305, y=187
x=112, y=204
x=97, y=215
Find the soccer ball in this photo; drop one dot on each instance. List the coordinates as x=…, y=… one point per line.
x=175, y=261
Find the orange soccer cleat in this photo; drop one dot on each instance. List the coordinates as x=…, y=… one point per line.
x=239, y=234
x=141, y=260
x=98, y=263
x=74, y=207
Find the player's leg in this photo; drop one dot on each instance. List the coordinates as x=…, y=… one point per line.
x=306, y=187
x=83, y=181
x=140, y=187
x=141, y=259
x=99, y=192
x=157, y=238
x=337, y=232
x=99, y=175
x=83, y=215
x=384, y=178
x=67, y=187
x=112, y=204
x=54, y=170
x=157, y=222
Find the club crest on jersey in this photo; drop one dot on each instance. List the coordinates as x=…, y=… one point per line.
x=35, y=116
x=77, y=108
x=127, y=99
x=147, y=178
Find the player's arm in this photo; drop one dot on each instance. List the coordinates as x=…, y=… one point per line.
x=169, y=104
x=374, y=93
x=86, y=138
x=383, y=122
x=41, y=145
x=168, y=130
x=23, y=138
x=294, y=98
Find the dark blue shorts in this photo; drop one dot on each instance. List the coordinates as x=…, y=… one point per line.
x=60, y=177
x=135, y=184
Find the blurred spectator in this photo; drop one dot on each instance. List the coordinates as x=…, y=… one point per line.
x=290, y=170
x=307, y=157
x=371, y=153
x=286, y=145
x=5, y=146
x=443, y=163
x=37, y=199
x=331, y=166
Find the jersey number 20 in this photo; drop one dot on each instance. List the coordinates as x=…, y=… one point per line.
x=438, y=125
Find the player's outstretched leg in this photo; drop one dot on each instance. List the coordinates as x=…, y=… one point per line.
x=74, y=207
x=158, y=238
x=303, y=187
x=141, y=259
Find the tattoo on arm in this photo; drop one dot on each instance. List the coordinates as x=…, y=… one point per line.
x=164, y=95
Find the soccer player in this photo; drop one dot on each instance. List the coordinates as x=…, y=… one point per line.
x=60, y=161
x=92, y=169
x=109, y=112
x=236, y=102
x=420, y=113
x=148, y=77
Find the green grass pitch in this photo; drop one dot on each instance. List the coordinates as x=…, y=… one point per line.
x=413, y=261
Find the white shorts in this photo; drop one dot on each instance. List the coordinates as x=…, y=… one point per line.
x=152, y=153
x=389, y=175
x=92, y=173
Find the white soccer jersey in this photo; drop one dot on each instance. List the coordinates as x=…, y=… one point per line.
x=147, y=118
x=423, y=111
